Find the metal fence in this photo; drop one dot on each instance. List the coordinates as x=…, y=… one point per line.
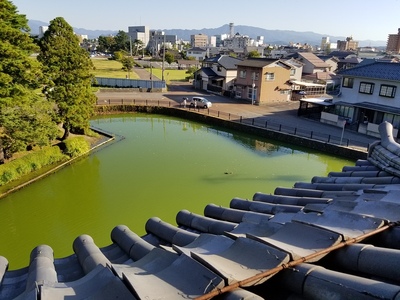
x=130, y=83
x=258, y=122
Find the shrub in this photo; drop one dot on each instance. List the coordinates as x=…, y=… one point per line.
x=17, y=168
x=76, y=146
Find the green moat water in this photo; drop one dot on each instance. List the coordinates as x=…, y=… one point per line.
x=163, y=165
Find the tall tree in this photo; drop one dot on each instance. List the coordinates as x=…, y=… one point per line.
x=106, y=44
x=69, y=67
x=20, y=75
x=122, y=42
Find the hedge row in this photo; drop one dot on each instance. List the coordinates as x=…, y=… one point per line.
x=17, y=168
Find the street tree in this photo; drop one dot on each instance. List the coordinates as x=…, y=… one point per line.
x=68, y=68
x=169, y=57
x=127, y=64
x=253, y=54
x=25, y=119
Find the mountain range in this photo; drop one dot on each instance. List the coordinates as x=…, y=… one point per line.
x=272, y=37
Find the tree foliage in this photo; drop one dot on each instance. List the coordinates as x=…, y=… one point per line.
x=68, y=68
x=127, y=63
x=106, y=44
x=25, y=120
x=122, y=42
x=169, y=57
x=119, y=43
x=253, y=54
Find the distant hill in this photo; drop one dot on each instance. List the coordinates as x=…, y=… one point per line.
x=273, y=37
x=92, y=34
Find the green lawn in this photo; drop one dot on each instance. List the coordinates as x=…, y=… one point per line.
x=113, y=69
x=110, y=68
x=170, y=75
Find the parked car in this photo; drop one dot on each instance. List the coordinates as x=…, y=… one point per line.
x=200, y=102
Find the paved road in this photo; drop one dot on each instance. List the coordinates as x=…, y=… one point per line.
x=284, y=113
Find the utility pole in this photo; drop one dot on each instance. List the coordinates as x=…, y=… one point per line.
x=163, y=60
x=130, y=45
x=151, y=75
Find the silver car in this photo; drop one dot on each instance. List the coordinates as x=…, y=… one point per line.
x=200, y=102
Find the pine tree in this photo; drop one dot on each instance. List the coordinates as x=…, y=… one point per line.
x=68, y=67
x=20, y=75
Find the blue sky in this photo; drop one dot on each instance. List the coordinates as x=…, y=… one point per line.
x=361, y=19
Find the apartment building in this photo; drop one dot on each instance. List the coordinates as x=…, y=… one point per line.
x=348, y=44
x=393, y=43
x=199, y=40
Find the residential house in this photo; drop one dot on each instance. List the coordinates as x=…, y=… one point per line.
x=342, y=54
x=263, y=80
x=197, y=53
x=297, y=68
x=369, y=96
x=332, y=61
x=348, y=62
x=217, y=74
x=312, y=63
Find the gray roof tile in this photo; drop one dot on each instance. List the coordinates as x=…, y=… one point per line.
x=376, y=70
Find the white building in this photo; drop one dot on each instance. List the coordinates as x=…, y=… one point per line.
x=141, y=33
x=42, y=30
x=370, y=94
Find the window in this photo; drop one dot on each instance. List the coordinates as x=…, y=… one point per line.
x=242, y=74
x=387, y=91
x=292, y=72
x=252, y=93
x=366, y=88
x=255, y=76
x=348, y=82
x=219, y=68
x=269, y=76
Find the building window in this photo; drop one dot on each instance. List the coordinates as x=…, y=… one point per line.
x=348, y=82
x=269, y=76
x=387, y=91
x=366, y=88
x=251, y=93
x=255, y=75
x=292, y=72
x=219, y=68
x=242, y=74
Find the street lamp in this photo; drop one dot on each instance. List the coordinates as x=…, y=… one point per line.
x=252, y=93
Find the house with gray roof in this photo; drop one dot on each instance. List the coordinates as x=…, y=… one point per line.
x=369, y=96
x=197, y=53
x=217, y=74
